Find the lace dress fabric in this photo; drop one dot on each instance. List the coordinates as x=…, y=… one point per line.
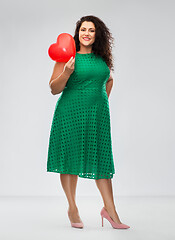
x=80, y=135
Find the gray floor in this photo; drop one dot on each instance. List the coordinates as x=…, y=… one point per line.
x=46, y=218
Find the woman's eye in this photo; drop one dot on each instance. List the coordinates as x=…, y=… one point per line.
x=91, y=30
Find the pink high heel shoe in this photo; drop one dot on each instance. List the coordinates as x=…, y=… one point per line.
x=77, y=225
x=104, y=214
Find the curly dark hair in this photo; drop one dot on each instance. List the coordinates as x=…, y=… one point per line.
x=103, y=39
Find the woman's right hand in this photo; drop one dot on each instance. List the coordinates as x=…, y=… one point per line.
x=69, y=66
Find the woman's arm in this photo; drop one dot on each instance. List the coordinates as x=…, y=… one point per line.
x=109, y=84
x=58, y=84
x=58, y=79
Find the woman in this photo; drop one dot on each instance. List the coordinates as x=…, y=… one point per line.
x=80, y=137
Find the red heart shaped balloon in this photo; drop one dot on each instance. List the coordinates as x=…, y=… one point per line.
x=63, y=49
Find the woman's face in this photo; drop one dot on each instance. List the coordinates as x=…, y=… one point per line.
x=87, y=33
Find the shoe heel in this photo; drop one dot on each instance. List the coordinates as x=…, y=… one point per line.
x=104, y=214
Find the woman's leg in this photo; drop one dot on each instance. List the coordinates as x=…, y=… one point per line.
x=105, y=188
x=69, y=183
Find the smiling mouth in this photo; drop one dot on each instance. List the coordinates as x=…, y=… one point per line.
x=86, y=39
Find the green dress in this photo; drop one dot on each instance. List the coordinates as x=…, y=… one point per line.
x=80, y=136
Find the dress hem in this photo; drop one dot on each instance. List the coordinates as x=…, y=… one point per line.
x=85, y=174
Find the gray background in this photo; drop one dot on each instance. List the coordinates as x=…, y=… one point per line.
x=141, y=101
